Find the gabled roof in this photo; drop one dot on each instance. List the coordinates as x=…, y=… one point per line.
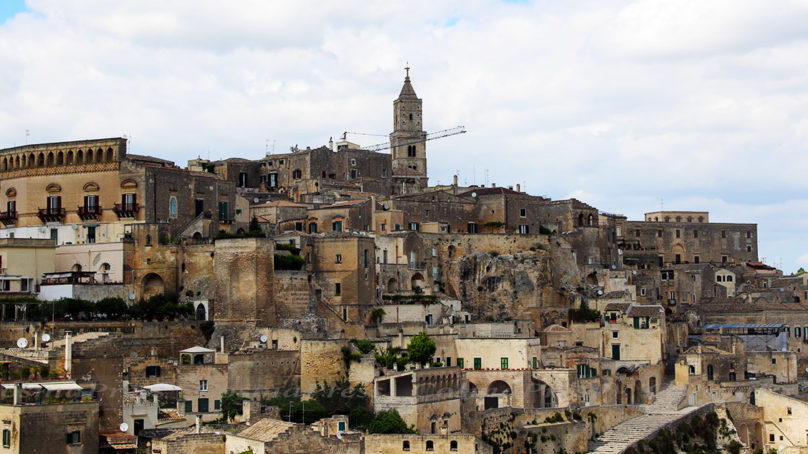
x=197, y=349
x=266, y=429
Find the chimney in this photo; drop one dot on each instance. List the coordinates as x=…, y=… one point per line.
x=68, y=355
x=493, y=185
x=198, y=425
x=221, y=344
x=454, y=180
x=510, y=187
x=17, y=393
x=518, y=187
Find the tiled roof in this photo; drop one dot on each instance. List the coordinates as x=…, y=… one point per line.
x=266, y=429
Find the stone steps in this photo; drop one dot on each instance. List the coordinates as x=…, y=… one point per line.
x=657, y=414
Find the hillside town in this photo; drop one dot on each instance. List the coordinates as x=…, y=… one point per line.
x=330, y=299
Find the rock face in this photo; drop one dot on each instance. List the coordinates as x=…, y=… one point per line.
x=535, y=284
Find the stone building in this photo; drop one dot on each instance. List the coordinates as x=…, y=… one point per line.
x=428, y=399
x=23, y=261
x=420, y=444
x=666, y=238
x=30, y=424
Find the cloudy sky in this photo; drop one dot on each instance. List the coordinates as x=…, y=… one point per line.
x=626, y=105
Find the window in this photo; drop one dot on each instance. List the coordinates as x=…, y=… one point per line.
x=397, y=227
x=724, y=259
x=189, y=406
x=659, y=233
x=74, y=437
x=366, y=257
x=774, y=360
x=152, y=371
x=280, y=162
x=728, y=278
x=678, y=233
x=413, y=226
x=383, y=227
x=430, y=445
x=788, y=410
x=6, y=438
x=535, y=362
x=749, y=234
x=91, y=234
x=339, y=258
x=11, y=206
x=637, y=233
x=411, y=150
x=341, y=426
x=723, y=234
x=503, y=363
x=453, y=445
x=199, y=207
x=523, y=213
x=695, y=234
x=353, y=174
x=336, y=226
x=217, y=404
x=353, y=162
x=472, y=227
x=748, y=248
x=202, y=405
x=54, y=204
x=223, y=211
x=448, y=361
x=299, y=226
x=298, y=174
x=696, y=259
x=478, y=363
x=242, y=180
x=771, y=438
x=337, y=289
x=384, y=173
x=677, y=258
x=203, y=385
x=667, y=275
x=172, y=207
x=523, y=229
x=615, y=334
x=405, y=446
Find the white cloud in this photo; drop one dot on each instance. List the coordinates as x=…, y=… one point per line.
x=618, y=102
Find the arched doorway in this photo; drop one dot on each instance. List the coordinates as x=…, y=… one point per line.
x=417, y=281
x=76, y=268
x=498, y=392
x=391, y=285
x=678, y=254
x=542, y=395
x=743, y=435
x=152, y=285
x=201, y=312
x=628, y=395
x=652, y=385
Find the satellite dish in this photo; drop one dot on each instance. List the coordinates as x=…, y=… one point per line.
x=74, y=226
x=124, y=427
x=255, y=200
x=600, y=292
x=132, y=296
x=385, y=206
x=264, y=338
x=45, y=337
x=22, y=342
x=634, y=272
x=474, y=194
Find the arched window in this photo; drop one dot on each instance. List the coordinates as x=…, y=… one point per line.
x=79, y=157
x=453, y=445
x=172, y=207
x=109, y=155
x=297, y=174
x=69, y=157
x=60, y=158
x=40, y=162
x=50, y=159
x=98, y=155
x=405, y=446
x=89, y=157
x=430, y=445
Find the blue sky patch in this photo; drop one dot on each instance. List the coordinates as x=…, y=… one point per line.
x=8, y=8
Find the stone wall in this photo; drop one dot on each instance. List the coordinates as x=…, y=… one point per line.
x=43, y=428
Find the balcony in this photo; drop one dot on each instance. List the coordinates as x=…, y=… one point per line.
x=89, y=212
x=51, y=214
x=8, y=217
x=126, y=210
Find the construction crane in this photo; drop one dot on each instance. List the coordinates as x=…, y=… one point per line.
x=430, y=136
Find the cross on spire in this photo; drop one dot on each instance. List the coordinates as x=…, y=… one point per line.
x=407, y=68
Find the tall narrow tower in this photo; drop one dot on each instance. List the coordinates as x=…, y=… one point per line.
x=408, y=141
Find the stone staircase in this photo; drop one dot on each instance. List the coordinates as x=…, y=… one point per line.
x=657, y=414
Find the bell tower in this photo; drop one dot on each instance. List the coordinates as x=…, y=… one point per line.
x=408, y=141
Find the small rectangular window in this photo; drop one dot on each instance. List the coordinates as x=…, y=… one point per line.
x=523, y=213
x=524, y=230
x=460, y=362
x=337, y=289
x=503, y=363
x=6, y=438
x=203, y=385
x=678, y=233
x=659, y=233
x=723, y=234
x=339, y=258
x=74, y=437
x=189, y=406
x=695, y=234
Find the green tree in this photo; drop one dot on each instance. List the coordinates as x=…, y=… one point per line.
x=389, y=422
x=377, y=315
x=800, y=272
x=231, y=405
x=421, y=348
